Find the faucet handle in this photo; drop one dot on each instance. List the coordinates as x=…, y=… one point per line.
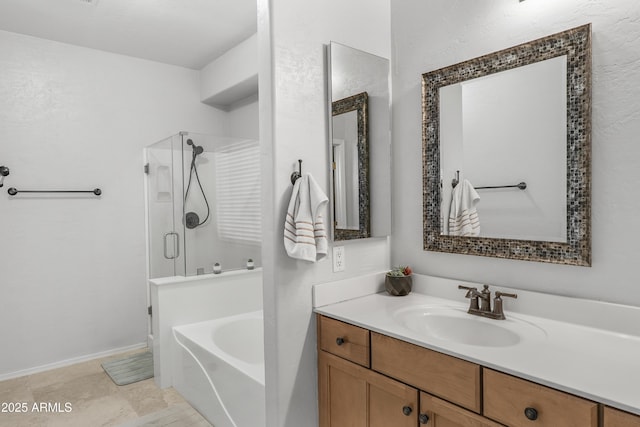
x=497, y=304
x=469, y=290
x=502, y=294
x=472, y=294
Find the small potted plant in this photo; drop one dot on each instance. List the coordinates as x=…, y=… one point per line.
x=398, y=280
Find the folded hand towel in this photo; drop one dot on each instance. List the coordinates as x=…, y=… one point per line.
x=305, y=236
x=463, y=216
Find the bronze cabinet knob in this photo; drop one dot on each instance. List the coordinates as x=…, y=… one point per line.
x=423, y=418
x=531, y=413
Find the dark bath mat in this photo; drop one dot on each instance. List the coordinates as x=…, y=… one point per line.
x=130, y=369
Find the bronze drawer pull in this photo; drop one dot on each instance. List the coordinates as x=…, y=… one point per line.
x=423, y=418
x=340, y=341
x=407, y=410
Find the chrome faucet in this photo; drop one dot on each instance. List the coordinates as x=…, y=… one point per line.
x=480, y=302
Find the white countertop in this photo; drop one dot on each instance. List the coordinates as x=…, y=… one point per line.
x=597, y=364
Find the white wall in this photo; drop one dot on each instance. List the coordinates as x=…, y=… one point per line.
x=73, y=270
x=242, y=120
x=431, y=35
x=293, y=125
x=232, y=76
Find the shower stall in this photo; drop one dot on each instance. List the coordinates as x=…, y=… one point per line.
x=203, y=205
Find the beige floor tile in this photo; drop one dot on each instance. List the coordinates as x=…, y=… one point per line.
x=104, y=411
x=15, y=390
x=28, y=419
x=61, y=375
x=171, y=396
x=77, y=390
x=95, y=400
x=144, y=396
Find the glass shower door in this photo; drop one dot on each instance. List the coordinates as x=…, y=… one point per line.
x=164, y=204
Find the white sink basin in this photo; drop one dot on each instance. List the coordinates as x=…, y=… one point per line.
x=455, y=324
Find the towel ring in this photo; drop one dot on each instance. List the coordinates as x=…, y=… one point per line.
x=297, y=174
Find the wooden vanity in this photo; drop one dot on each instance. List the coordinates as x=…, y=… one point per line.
x=366, y=379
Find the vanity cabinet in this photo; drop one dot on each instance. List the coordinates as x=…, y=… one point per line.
x=401, y=384
x=616, y=418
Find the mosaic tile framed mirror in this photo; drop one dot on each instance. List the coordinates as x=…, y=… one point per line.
x=507, y=152
x=350, y=154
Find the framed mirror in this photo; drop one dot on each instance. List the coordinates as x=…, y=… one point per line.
x=350, y=150
x=507, y=152
x=359, y=143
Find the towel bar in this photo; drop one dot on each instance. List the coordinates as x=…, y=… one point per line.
x=13, y=191
x=521, y=185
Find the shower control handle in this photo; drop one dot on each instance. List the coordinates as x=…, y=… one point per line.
x=176, y=245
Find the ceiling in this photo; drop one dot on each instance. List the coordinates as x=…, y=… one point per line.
x=187, y=33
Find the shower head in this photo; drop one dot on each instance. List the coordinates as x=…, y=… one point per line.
x=197, y=149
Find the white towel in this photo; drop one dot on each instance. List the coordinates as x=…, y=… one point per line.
x=305, y=236
x=463, y=216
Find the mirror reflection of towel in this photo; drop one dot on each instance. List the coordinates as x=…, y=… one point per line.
x=305, y=236
x=463, y=216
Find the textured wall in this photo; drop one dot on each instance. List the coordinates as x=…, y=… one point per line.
x=72, y=271
x=293, y=116
x=430, y=35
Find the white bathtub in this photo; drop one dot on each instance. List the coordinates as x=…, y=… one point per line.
x=218, y=367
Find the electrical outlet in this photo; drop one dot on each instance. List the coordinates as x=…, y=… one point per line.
x=339, y=262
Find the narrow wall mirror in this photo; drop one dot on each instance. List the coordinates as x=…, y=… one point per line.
x=506, y=152
x=359, y=143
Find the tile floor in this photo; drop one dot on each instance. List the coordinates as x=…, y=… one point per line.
x=87, y=391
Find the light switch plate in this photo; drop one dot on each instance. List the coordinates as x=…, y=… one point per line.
x=339, y=262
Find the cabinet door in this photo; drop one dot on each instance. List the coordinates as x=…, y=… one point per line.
x=440, y=413
x=616, y=418
x=353, y=396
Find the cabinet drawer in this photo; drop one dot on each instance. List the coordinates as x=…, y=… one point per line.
x=442, y=413
x=506, y=399
x=617, y=418
x=344, y=340
x=455, y=380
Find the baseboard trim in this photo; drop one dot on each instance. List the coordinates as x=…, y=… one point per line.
x=72, y=361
